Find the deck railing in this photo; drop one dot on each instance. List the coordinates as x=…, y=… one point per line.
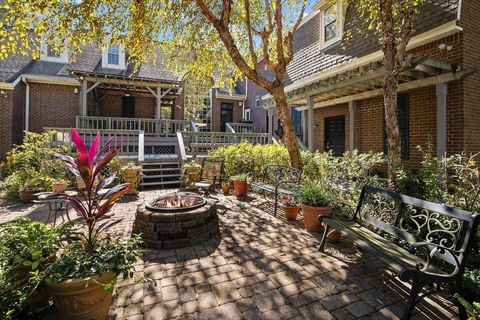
x=151, y=127
x=200, y=143
x=130, y=142
x=242, y=127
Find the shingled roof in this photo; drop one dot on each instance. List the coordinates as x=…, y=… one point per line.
x=310, y=58
x=88, y=61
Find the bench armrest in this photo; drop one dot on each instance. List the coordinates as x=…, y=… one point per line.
x=431, y=250
x=340, y=204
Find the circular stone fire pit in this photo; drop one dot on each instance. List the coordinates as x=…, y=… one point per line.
x=176, y=220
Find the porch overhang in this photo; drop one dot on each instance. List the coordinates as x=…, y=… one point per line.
x=366, y=81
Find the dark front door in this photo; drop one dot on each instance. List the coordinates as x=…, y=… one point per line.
x=297, y=122
x=128, y=107
x=226, y=115
x=335, y=135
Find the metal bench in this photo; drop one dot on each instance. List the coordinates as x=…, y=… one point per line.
x=278, y=179
x=422, y=241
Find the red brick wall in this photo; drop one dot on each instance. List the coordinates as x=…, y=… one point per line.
x=111, y=106
x=319, y=123
x=52, y=106
x=216, y=111
x=18, y=113
x=6, y=117
x=470, y=16
x=369, y=125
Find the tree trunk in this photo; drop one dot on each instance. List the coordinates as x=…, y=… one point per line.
x=291, y=141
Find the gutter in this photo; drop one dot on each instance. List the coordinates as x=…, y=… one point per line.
x=440, y=32
x=34, y=78
x=27, y=103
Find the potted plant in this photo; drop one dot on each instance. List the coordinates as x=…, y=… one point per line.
x=28, y=190
x=82, y=278
x=59, y=185
x=315, y=200
x=226, y=187
x=191, y=171
x=290, y=207
x=26, y=249
x=240, y=185
x=130, y=173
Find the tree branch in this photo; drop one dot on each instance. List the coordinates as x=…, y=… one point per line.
x=280, y=65
x=405, y=33
x=248, y=23
x=226, y=10
x=289, y=38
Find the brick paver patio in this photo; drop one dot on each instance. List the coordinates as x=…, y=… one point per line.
x=260, y=268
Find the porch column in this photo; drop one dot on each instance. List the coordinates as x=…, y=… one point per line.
x=351, y=113
x=310, y=123
x=441, y=90
x=84, y=97
x=158, y=106
x=270, y=124
x=304, y=126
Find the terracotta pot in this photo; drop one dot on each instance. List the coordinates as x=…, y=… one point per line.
x=27, y=196
x=240, y=188
x=81, y=185
x=291, y=212
x=79, y=299
x=226, y=188
x=310, y=217
x=58, y=186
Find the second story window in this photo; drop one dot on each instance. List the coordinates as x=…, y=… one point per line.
x=331, y=22
x=258, y=100
x=51, y=53
x=113, y=55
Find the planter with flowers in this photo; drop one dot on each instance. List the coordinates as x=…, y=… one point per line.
x=82, y=278
x=290, y=207
x=130, y=173
x=59, y=185
x=240, y=185
x=226, y=185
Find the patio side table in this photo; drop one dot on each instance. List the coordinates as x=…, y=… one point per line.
x=55, y=206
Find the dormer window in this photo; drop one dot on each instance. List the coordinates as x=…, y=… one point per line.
x=331, y=23
x=113, y=54
x=113, y=57
x=52, y=53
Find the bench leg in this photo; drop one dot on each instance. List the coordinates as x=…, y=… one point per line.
x=412, y=300
x=461, y=309
x=276, y=203
x=321, y=248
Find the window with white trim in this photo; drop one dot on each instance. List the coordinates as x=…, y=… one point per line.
x=247, y=114
x=52, y=53
x=49, y=53
x=113, y=55
x=258, y=100
x=331, y=23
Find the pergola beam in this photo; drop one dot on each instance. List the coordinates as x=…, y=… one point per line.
x=131, y=82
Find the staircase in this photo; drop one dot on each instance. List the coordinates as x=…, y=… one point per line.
x=163, y=173
x=162, y=168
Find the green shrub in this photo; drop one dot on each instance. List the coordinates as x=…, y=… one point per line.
x=32, y=165
x=315, y=195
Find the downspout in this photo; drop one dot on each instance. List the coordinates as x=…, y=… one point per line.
x=27, y=103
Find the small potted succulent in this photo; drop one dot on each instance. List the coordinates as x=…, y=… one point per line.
x=84, y=273
x=59, y=185
x=240, y=185
x=314, y=202
x=290, y=207
x=131, y=173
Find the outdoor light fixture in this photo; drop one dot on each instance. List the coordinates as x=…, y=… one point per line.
x=75, y=90
x=444, y=46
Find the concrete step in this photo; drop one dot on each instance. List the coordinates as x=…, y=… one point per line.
x=162, y=183
x=176, y=175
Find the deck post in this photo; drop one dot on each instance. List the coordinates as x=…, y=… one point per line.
x=141, y=143
x=84, y=97
x=351, y=115
x=310, y=122
x=270, y=124
x=441, y=91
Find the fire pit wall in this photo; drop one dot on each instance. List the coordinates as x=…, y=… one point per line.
x=176, y=229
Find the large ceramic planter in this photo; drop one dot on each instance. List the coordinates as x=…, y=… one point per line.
x=291, y=212
x=27, y=196
x=131, y=176
x=311, y=214
x=79, y=299
x=240, y=188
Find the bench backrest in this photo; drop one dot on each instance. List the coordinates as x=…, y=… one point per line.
x=212, y=170
x=413, y=220
x=275, y=173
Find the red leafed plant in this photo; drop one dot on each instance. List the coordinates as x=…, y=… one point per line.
x=91, y=204
x=289, y=201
